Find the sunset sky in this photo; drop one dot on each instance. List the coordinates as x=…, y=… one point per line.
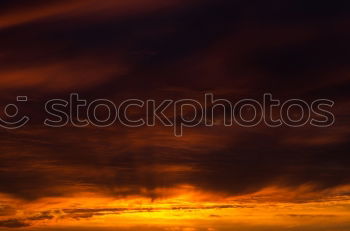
x=146, y=179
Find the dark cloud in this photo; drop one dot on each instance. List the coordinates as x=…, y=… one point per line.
x=236, y=161
x=42, y=216
x=13, y=223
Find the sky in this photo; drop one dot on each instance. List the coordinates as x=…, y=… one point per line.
x=210, y=179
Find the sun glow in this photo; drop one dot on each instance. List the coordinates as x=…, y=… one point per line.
x=187, y=209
